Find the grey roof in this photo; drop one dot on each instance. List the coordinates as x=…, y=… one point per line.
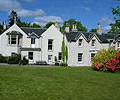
x=37, y=31
x=104, y=38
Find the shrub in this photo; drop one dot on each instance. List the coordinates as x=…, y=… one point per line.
x=112, y=65
x=15, y=59
x=103, y=56
x=64, y=64
x=97, y=66
x=24, y=61
x=3, y=59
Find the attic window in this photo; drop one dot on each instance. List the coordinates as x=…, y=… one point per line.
x=80, y=42
x=93, y=43
x=32, y=40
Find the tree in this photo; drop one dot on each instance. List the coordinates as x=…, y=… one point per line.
x=71, y=22
x=115, y=27
x=64, y=52
x=93, y=30
x=1, y=28
x=13, y=17
x=48, y=24
x=35, y=25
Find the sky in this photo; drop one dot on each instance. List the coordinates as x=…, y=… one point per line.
x=89, y=12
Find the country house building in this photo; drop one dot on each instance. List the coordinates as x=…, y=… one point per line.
x=39, y=44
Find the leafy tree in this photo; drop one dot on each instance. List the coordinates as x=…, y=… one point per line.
x=93, y=30
x=64, y=51
x=1, y=28
x=13, y=17
x=48, y=24
x=35, y=25
x=115, y=27
x=71, y=22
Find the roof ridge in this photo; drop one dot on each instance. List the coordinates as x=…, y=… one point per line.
x=33, y=28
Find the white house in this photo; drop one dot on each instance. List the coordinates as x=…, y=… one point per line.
x=39, y=44
x=82, y=46
x=36, y=44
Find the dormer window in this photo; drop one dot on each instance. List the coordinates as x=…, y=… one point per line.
x=80, y=42
x=32, y=40
x=93, y=43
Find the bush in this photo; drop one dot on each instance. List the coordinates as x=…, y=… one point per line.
x=3, y=59
x=24, y=61
x=15, y=59
x=97, y=66
x=113, y=64
x=103, y=56
x=64, y=64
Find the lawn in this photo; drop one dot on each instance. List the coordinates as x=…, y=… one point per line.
x=58, y=83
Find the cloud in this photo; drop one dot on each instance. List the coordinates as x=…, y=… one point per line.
x=106, y=28
x=86, y=8
x=106, y=20
x=45, y=19
x=7, y=5
x=30, y=13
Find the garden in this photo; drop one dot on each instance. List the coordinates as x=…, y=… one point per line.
x=107, y=60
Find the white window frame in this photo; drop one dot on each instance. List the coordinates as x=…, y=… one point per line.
x=80, y=42
x=29, y=55
x=94, y=43
x=51, y=58
x=118, y=44
x=91, y=55
x=59, y=56
x=50, y=44
x=32, y=40
x=80, y=57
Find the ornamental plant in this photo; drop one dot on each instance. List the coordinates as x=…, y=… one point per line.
x=97, y=66
x=103, y=56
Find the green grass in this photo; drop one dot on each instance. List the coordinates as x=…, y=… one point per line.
x=43, y=83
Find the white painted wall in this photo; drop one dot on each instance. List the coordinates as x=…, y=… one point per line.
x=51, y=33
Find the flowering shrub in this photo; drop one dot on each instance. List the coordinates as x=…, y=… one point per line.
x=107, y=60
x=112, y=65
x=97, y=66
x=103, y=56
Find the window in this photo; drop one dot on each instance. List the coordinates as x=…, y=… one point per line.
x=32, y=40
x=30, y=55
x=13, y=39
x=80, y=42
x=110, y=44
x=118, y=44
x=93, y=43
x=13, y=54
x=80, y=55
x=49, y=58
x=92, y=55
x=9, y=39
x=50, y=44
x=60, y=56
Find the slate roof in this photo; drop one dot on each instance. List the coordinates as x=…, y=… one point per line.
x=37, y=31
x=104, y=38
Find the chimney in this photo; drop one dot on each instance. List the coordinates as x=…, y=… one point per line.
x=4, y=26
x=99, y=29
x=67, y=29
x=74, y=28
x=57, y=25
